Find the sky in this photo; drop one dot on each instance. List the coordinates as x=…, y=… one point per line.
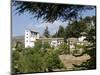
x=23, y=21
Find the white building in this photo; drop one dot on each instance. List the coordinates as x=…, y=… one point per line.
x=56, y=41
x=82, y=38
x=30, y=37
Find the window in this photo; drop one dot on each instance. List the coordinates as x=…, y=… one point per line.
x=26, y=40
x=26, y=37
x=27, y=34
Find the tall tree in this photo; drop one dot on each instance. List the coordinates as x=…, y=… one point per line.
x=50, y=12
x=75, y=28
x=61, y=31
x=90, y=21
x=46, y=32
x=91, y=49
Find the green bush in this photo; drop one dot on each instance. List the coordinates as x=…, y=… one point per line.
x=35, y=59
x=53, y=61
x=63, y=49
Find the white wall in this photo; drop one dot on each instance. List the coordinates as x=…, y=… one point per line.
x=81, y=38
x=30, y=38
x=27, y=38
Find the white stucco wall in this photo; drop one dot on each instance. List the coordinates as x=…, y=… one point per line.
x=27, y=38
x=30, y=38
x=81, y=38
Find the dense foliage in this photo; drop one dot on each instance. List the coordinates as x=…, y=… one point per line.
x=75, y=28
x=60, y=33
x=91, y=49
x=63, y=49
x=37, y=59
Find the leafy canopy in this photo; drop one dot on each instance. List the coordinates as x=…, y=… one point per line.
x=50, y=12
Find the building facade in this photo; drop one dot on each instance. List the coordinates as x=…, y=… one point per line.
x=30, y=37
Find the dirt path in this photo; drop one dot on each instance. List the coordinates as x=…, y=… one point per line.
x=68, y=60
